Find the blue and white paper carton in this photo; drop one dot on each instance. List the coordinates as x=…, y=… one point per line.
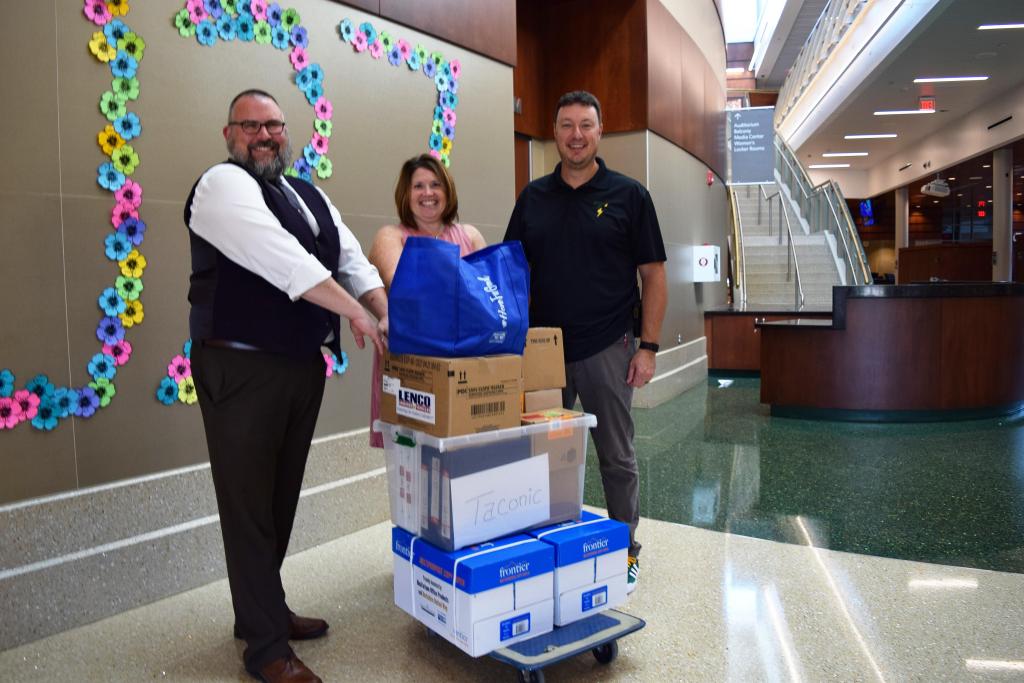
x=480, y=598
x=590, y=565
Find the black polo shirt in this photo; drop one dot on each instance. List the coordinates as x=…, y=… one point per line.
x=584, y=246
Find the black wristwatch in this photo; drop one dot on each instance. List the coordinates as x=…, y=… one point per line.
x=649, y=346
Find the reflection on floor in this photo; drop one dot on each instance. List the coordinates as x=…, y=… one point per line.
x=726, y=602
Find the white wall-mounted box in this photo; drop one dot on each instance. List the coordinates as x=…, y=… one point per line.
x=704, y=264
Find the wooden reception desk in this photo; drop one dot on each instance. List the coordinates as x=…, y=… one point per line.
x=900, y=353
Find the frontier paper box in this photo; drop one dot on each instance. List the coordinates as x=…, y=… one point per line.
x=461, y=490
x=451, y=396
x=590, y=565
x=543, y=359
x=480, y=598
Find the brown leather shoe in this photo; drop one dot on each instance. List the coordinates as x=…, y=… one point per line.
x=286, y=670
x=301, y=628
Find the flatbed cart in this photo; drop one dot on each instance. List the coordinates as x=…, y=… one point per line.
x=599, y=634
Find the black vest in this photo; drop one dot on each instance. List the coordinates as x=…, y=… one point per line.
x=232, y=303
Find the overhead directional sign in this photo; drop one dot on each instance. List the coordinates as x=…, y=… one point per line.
x=752, y=145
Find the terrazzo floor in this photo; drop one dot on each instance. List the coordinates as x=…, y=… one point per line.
x=774, y=550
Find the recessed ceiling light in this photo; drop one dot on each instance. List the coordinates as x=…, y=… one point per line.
x=829, y=166
x=735, y=70
x=949, y=79
x=986, y=165
x=935, y=201
x=870, y=136
x=997, y=27
x=902, y=112
x=951, y=178
x=990, y=201
x=988, y=187
x=845, y=154
x=975, y=177
x=959, y=195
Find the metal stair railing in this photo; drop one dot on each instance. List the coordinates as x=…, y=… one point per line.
x=739, y=259
x=792, y=264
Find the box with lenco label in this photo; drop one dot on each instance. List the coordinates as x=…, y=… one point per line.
x=480, y=598
x=461, y=490
x=451, y=396
x=590, y=565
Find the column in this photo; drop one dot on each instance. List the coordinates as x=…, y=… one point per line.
x=1002, y=215
x=902, y=204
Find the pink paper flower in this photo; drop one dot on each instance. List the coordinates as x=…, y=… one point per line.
x=28, y=402
x=329, y=362
x=456, y=68
x=97, y=12
x=404, y=49
x=376, y=49
x=320, y=143
x=259, y=9
x=299, y=59
x=120, y=352
x=10, y=413
x=196, y=11
x=324, y=109
x=129, y=194
x=179, y=368
x=359, y=43
x=448, y=115
x=121, y=213
x=436, y=154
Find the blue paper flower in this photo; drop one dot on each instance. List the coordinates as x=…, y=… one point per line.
x=110, y=302
x=448, y=131
x=46, y=415
x=133, y=230
x=186, y=350
x=213, y=8
x=87, y=402
x=369, y=31
x=40, y=386
x=128, y=126
x=439, y=112
x=446, y=70
x=116, y=246
x=342, y=366
x=102, y=365
x=115, y=31
x=299, y=37
x=414, y=62
x=123, y=65
x=449, y=99
x=110, y=330
x=167, y=392
x=109, y=177
x=453, y=85
x=346, y=30
x=65, y=401
x=429, y=68
x=314, y=92
x=435, y=142
x=206, y=32
x=226, y=27
x=245, y=28
x=441, y=81
x=303, y=80
x=310, y=155
x=301, y=166
x=395, y=56
x=6, y=383
x=280, y=38
x=274, y=14
x=315, y=72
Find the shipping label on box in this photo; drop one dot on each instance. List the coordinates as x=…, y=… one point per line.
x=590, y=565
x=451, y=396
x=543, y=359
x=480, y=598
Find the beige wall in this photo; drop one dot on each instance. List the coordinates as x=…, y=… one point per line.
x=53, y=215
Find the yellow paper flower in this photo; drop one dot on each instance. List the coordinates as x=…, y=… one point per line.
x=446, y=145
x=99, y=46
x=133, y=314
x=109, y=140
x=118, y=8
x=133, y=264
x=187, y=391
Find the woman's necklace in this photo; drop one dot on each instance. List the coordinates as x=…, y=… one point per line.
x=435, y=235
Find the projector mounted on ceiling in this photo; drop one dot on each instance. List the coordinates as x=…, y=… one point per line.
x=936, y=188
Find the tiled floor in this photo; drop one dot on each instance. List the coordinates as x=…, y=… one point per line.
x=753, y=596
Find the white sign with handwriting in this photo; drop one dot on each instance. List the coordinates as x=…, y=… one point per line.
x=501, y=500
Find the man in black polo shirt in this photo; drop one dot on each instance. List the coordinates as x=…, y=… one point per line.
x=587, y=232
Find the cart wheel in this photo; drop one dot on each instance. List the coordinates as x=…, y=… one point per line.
x=606, y=653
x=534, y=676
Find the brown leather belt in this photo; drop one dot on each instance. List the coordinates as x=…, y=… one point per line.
x=228, y=344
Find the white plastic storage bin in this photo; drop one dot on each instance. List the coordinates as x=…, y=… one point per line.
x=461, y=490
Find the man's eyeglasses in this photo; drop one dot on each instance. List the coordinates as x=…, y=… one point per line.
x=251, y=127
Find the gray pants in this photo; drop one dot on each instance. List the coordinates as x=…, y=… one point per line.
x=600, y=383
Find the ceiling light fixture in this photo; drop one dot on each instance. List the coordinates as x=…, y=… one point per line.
x=903, y=112
x=998, y=27
x=905, y=166
x=829, y=166
x=986, y=165
x=869, y=136
x=950, y=79
x=975, y=177
x=951, y=178
x=845, y=154
x=733, y=70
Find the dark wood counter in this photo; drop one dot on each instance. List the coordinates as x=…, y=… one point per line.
x=904, y=352
x=734, y=340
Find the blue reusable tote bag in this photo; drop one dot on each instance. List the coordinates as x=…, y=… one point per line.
x=443, y=305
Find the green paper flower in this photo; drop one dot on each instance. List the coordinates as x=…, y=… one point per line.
x=133, y=44
x=125, y=159
x=291, y=172
x=264, y=32
x=290, y=18
x=112, y=105
x=229, y=6
x=421, y=52
x=127, y=88
x=128, y=288
x=436, y=127
x=104, y=389
x=386, y=41
x=187, y=391
x=437, y=58
x=444, y=160
x=323, y=127
x=324, y=168
x=186, y=29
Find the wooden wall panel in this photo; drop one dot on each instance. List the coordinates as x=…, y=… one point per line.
x=528, y=82
x=712, y=150
x=953, y=262
x=522, y=159
x=666, y=109
x=484, y=26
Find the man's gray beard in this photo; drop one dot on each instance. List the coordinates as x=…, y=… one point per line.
x=270, y=169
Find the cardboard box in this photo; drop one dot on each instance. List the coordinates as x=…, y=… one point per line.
x=451, y=396
x=543, y=359
x=542, y=399
x=590, y=565
x=480, y=598
x=461, y=490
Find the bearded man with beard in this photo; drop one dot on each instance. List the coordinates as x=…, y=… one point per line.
x=274, y=269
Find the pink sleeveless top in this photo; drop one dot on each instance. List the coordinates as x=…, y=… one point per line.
x=453, y=233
